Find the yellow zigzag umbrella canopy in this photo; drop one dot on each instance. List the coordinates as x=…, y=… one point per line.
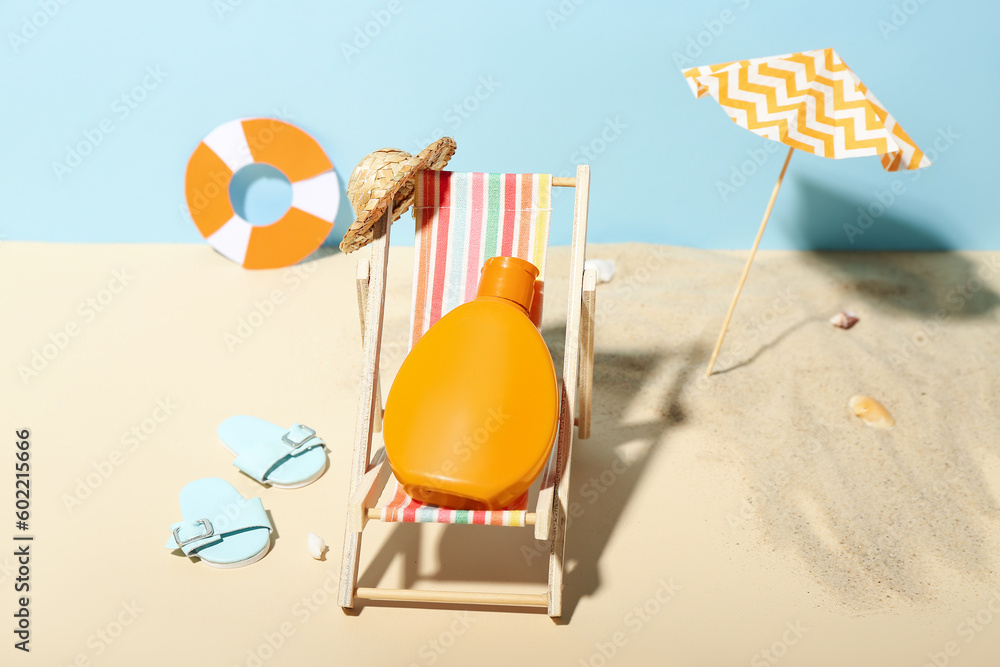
x=811, y=101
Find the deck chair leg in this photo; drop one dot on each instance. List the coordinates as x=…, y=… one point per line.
x=369, y=406
x=557, y=531
x=571, y=369
x=349, y=569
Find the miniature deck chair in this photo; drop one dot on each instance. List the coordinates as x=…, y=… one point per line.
x=462, y=220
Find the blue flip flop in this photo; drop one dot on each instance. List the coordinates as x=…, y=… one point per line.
x=270, y=454
x=220, y=526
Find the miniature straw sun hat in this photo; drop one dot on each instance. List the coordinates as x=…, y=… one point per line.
x=387, y=175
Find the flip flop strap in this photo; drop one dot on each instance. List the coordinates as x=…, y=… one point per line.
x=259, y=460
x=190, y=536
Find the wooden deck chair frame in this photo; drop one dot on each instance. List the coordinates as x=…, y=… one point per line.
x=370, y=469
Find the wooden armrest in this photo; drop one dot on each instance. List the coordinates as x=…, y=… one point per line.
x=546, y=493
x=363, y=277
x=587, y=321
x=377, y=473
x=369, y=405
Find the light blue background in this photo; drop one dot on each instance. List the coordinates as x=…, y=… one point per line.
x=564, y=71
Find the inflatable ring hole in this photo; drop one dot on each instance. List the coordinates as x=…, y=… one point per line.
x=260, y=194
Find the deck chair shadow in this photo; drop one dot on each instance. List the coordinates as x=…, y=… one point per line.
x=462, y=219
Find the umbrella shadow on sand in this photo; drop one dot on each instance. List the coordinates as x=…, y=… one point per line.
x=880, y=518
x=952, y=286
x=602, y=483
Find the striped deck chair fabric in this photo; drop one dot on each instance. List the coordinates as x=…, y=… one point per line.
x=463, y=219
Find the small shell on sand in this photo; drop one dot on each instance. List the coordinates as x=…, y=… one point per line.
x=871, y=412
x=845, y=319
x=316, y=546
x=605, y=268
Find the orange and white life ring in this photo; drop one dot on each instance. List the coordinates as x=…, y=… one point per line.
x=315, y=192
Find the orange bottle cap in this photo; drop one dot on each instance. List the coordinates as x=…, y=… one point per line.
x=509, y=278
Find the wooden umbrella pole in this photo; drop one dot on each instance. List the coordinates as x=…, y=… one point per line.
x=746, y=269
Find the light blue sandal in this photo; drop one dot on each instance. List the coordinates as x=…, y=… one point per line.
x=270, y=454
x=220, y=526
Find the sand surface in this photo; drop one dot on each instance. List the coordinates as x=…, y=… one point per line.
x=746, y=519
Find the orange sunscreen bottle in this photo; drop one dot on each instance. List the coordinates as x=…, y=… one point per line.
x=472, y=414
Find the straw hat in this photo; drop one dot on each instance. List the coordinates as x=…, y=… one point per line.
x=383, y=176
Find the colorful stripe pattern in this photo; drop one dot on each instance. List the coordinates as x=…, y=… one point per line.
x=811, y=101
x=403, y=508
x=463, y=219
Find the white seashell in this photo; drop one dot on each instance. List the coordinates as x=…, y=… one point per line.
x=605, y=269
x=317, y=547
x=845, y=319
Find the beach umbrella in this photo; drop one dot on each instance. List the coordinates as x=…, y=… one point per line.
x=810, y=101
